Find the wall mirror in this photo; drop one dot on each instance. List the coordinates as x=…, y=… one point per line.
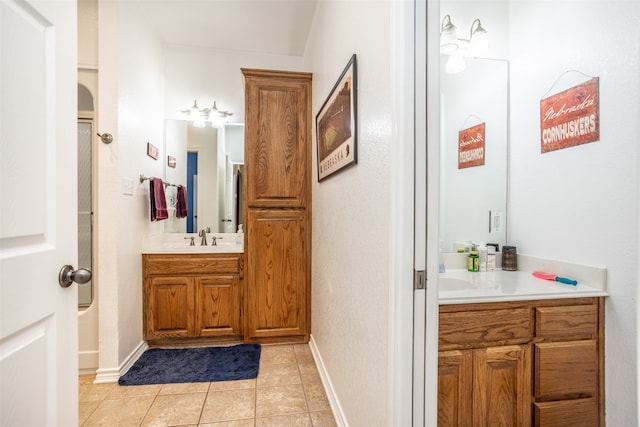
x=209, y=162
x=473, y=196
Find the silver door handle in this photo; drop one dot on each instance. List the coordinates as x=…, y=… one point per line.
x=68, y=275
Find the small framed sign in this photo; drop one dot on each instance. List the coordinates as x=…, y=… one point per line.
x=570, y=117
x=471, y=146
x=152, y=151
x=171, y=161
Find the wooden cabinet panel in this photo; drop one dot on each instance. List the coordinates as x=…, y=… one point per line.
x=192, y=296
x=218, y=303
x=567, y=321
x=501, y=386
x=534, y=362
x=566, y=369
x=485, y=326
x=277, y=138
x=169, y=307
x=277, y=262
x=171, y=264
x=455, y=388
x=567, y=413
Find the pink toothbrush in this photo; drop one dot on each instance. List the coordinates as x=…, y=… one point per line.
x=547, y=276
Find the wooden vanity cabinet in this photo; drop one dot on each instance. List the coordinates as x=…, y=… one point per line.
x=521, y=363
x=192, y=296
x=277, y=192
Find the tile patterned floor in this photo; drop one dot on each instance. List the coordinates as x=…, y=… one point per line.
x=287, y=392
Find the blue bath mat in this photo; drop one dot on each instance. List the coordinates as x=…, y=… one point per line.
x=191, y=365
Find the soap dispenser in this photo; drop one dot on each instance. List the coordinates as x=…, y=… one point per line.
x=240, y=235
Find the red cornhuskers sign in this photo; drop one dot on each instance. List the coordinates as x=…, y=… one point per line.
x=570, y=117
x=471, y=147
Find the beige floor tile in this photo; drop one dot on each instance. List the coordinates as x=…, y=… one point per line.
x=229, y=405
x=323, y=419
x=295, y=420
x=308, y=370
x=303, y=353
x=280, y=400
x=270, y=354
x=86, y=379
x=280, y=374
x=85, y=409
x=184, y=388
x=88, y=392
x=232, y=385
x=120, y=412
x=236, y=423
x=175, y=409
x=316, y=396
x=119, y=392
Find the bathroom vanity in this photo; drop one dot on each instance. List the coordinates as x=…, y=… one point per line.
x=192, y=291
x=516, y=350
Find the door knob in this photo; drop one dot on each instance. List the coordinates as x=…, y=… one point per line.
x=68, y=275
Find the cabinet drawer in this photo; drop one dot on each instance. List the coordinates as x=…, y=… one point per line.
x=567, y=321
x=567, y=413
x=190, y=264
x=566, y=369
x=485, y=326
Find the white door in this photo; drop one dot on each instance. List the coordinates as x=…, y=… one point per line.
x=38, y=318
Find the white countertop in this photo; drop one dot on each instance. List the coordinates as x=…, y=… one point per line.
x=175, y=243
x=459, y=286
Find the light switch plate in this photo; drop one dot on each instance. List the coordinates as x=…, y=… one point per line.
x=127, y=186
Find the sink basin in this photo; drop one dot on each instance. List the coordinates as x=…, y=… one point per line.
x=174, y=243
x=453, y=284
x=457, y=280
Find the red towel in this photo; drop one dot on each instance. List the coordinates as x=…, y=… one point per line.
x=181, y=205
x=158, y=200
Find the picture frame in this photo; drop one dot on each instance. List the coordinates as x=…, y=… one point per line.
x=336, y=124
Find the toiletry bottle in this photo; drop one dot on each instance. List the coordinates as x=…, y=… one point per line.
x=482, y=256
x=472, y=261
x=491, y=258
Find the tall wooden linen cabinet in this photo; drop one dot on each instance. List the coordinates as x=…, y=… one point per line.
x=277, y=192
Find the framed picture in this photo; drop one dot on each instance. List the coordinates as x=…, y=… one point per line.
x=336, y=125
x=171, y=161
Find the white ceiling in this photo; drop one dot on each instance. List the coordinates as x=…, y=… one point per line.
x=260, y=26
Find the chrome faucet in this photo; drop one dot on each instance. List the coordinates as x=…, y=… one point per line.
x=214, y=243
x=203, y=234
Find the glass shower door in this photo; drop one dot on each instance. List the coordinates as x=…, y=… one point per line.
x=85, y=209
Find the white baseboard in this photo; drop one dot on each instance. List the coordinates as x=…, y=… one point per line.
x=87, y=362
x=338, y=414
x=112, y=375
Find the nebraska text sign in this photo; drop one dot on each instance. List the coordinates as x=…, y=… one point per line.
x=570, y=117
x=471, y=146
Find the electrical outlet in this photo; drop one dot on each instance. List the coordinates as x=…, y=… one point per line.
x=496, y=221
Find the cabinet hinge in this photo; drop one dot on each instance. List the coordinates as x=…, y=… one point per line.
x=419, y=281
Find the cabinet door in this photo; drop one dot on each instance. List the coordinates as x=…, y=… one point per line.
x=169, y=307
x=455, y=380
x=218, y=305
x=277, y=274
x=502, y=386
x=277, y=138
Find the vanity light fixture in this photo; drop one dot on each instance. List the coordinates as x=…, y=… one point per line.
x=448, y=36
x=199, y=117
x=450, y=44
